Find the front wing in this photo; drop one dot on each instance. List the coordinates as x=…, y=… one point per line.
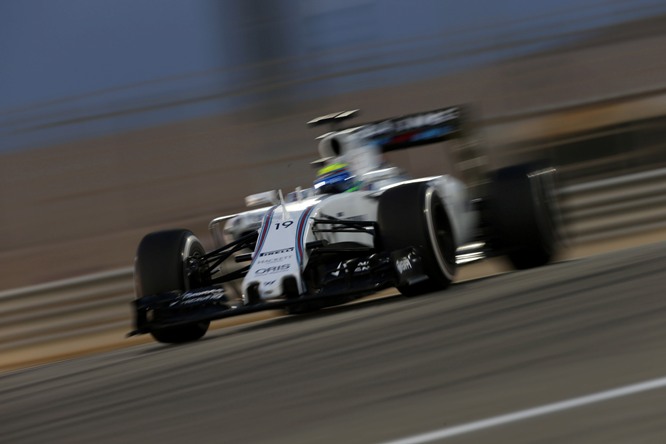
x=334, y=284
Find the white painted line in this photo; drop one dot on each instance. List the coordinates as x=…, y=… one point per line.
x=495, y=421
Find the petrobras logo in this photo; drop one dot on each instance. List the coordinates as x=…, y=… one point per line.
x=407, y=123
x=276, y=252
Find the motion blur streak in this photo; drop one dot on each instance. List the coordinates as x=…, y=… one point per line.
x=533, y=412
x=382, y=370
x=140, y=112
x=126, y=117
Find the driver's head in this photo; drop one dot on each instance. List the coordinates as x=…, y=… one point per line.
x=335, y=178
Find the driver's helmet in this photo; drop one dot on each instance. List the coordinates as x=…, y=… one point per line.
x=335, y=178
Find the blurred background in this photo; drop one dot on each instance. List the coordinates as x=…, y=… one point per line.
x=120, y=118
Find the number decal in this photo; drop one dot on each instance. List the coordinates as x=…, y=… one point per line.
x=285, y=224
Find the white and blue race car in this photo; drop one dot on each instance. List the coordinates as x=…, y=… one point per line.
x=365, y=226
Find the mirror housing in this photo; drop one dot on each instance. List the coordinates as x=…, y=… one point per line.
x=265, y=198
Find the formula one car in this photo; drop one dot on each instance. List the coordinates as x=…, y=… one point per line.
x=364, y=226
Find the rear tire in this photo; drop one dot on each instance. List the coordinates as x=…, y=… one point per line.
x=160, y=267
x=524, y=214
x=414, y=215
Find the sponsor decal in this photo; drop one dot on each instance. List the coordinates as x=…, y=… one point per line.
x=272, y=270
x=362, y=266
x=198, y=297
x=274, y=252
x=272, y=260
x=409, y=123
x=403, y=265
x=341, y=268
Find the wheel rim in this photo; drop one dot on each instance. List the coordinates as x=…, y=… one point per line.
x=440, y=234
x=191, y=276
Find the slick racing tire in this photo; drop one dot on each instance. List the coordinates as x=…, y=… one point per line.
x=524, y=214
x=161, y=267
x=414, y=215
x=290, y=287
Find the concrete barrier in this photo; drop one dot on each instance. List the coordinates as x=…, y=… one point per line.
x=66, y=308
x=615, y=207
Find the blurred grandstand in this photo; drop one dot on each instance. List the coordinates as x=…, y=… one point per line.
x=87, y=171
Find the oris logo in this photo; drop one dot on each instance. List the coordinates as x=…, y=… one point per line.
x=271, y=270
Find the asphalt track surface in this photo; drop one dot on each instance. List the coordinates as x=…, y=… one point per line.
x=481, y=355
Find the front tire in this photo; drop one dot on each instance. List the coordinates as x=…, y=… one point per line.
x=414, y=215
x=161, y=266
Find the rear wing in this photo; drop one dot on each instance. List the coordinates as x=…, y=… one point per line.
x=404, y=131
x=396, y=133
